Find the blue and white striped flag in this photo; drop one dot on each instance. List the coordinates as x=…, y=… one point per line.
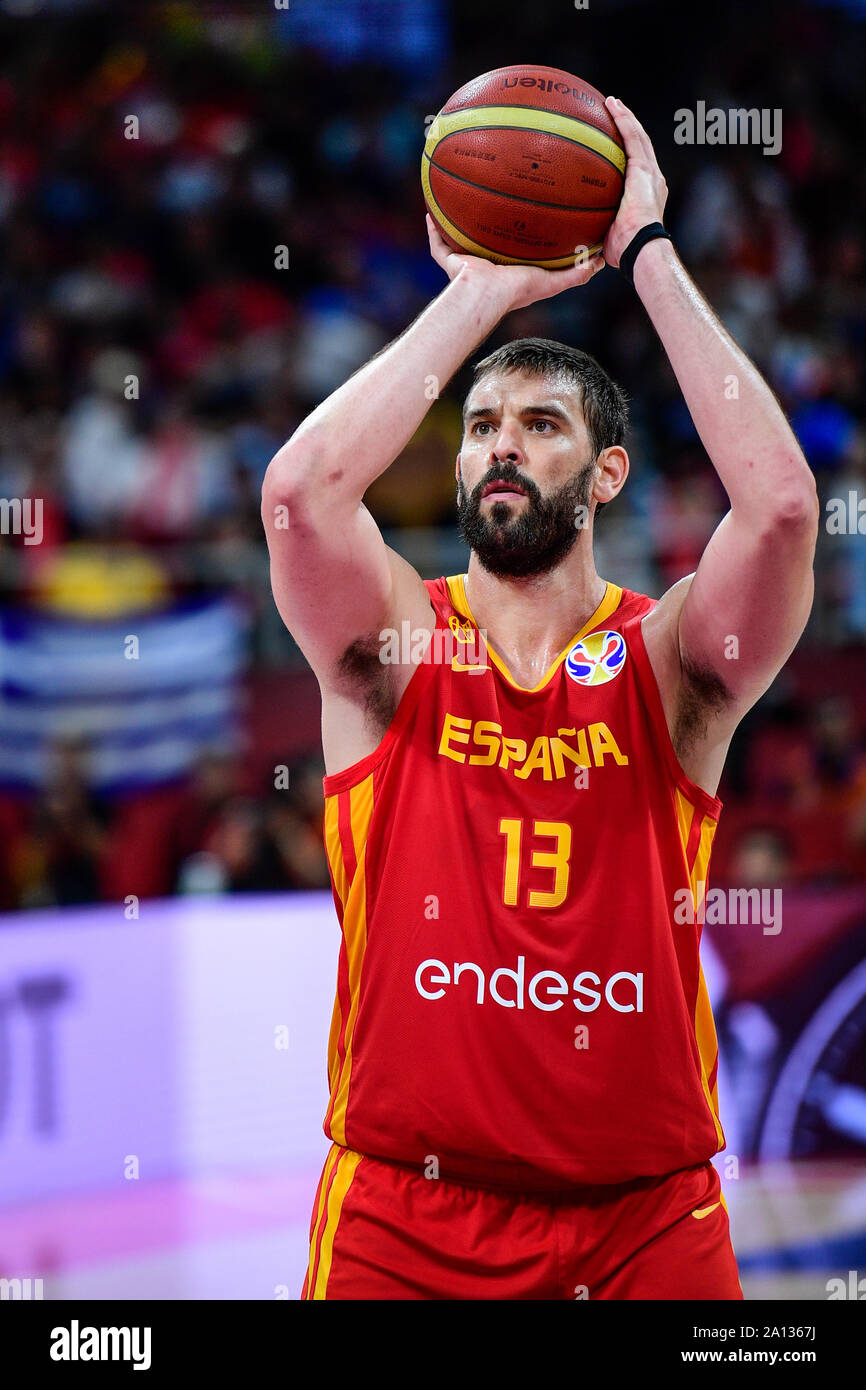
x=147, y=692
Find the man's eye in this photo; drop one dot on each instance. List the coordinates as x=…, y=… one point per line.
x=546, y=423
x=482, y=425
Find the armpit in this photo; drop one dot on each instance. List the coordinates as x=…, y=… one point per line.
x=703, y=695
x=362, y=676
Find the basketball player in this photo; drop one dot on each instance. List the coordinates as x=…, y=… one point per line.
x=522, y=1058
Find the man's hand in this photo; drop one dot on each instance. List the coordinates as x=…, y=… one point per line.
x=645, y=192
x=514, y=286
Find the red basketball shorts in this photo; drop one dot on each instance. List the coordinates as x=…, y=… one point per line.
x=380, y=1230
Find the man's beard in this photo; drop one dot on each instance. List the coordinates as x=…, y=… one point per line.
x=533, y=540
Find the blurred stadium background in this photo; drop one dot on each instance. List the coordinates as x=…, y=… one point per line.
x=209, y=216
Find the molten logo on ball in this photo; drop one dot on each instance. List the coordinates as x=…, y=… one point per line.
x=549, y=85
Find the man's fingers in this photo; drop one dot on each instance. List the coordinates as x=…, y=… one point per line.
x=551, y=282
x=596, y=264
x=579, y=273
x=634, y=136
x=645, y=142
x=438, y=249
x=625, y=124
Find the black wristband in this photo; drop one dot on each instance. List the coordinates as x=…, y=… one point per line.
x=637, y=243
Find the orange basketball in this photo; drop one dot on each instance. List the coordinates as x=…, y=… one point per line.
x=525, y=166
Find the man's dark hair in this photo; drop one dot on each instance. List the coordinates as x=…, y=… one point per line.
x=604, y=404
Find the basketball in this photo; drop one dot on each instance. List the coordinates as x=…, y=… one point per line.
x=524, y=166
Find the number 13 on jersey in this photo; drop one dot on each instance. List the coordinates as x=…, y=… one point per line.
x=558, y=859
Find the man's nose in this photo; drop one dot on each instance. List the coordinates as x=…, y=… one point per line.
x=506, y=446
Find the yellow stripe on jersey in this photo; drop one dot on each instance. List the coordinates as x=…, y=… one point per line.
x=457, y=593
x=708, y=1048
x=685, y=813
x=701, y=865
x=333, y=848
x=334, y=852
x=333, y=1039
x=705, y=1031
x=355, y=940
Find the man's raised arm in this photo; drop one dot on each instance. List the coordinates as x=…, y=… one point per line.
x=736, y=621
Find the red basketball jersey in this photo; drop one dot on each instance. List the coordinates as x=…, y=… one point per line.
x=520, y=1000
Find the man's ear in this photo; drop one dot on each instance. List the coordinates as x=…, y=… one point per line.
x=613, y=468
x=457, y=469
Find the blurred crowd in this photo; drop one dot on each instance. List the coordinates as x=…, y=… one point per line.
x=204, y=228
x=216, y=832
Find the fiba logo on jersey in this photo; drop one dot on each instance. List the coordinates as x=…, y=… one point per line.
x=597, y=658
